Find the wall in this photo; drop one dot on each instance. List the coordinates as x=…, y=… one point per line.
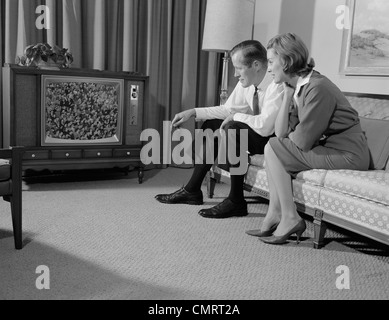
x=315, y=22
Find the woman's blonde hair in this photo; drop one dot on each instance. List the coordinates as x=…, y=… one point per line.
x=293, y=53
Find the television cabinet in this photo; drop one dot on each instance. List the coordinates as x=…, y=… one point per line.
x=74, y=119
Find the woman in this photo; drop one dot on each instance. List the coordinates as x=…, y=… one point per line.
x=316, y=128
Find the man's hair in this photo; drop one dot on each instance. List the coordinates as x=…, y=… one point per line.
x=252, y=50
x=293, y=53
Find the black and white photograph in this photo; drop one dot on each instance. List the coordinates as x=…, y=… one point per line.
x=194, y=157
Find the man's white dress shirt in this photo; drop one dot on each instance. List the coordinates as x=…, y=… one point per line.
x=240, y=104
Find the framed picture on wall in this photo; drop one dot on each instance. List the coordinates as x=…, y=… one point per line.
x=365, y=48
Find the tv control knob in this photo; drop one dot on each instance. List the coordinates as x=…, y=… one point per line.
x=67, y=155
x=128, y=153
x=98, y=154
x=33, y=156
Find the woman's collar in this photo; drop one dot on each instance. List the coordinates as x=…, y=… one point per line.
x=302, y=81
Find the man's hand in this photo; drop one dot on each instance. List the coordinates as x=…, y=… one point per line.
x=182, y=117
x=228, y=119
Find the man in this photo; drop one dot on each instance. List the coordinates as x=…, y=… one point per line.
x=253, y=106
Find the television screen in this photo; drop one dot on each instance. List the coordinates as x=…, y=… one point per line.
x=81, y=110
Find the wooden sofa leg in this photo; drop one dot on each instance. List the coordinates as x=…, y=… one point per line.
x=320, y=228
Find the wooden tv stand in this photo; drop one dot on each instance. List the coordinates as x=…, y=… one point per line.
x=22, y=123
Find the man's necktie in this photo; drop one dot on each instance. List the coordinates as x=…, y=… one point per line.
x=256, y=102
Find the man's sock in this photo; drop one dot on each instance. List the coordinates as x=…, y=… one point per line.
x=198, y=175
x=236, y=192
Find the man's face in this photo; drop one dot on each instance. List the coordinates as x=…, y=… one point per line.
x=248, y=76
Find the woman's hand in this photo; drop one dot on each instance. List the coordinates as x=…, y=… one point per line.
x=182, y=117
x=288, y=90
x=282, y=121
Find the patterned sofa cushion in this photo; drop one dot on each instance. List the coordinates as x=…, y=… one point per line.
x=315, y=177
x=306, y=193
x=257, y=160
x=370, y=185
x=256, y=177
x=355, y=210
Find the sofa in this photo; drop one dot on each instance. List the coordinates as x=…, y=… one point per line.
x=357, y=201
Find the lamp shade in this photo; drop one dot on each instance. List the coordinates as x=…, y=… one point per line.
x=227, y=23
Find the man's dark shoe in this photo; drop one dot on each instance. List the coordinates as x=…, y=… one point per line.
x=181, y=197
x=225, y=209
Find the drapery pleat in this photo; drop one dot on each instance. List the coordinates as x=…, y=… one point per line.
x=130, y=35
x=99, y=27
x=52, y=32
x=72, y=30
x=2, y=18
x=10, y=29
x=158, y=38
x=22, y=31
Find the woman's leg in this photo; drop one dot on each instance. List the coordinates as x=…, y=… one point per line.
x=273, y=215
x=282, y=187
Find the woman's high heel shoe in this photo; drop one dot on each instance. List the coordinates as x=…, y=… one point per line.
x=260, y=234
x=298, y=229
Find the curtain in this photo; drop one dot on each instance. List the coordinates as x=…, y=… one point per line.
x=158, y=38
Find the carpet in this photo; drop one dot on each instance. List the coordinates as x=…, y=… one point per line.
x=102, y=236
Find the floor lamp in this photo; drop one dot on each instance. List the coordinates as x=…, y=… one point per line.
x=227, y=23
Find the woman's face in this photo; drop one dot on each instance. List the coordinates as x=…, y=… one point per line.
x=276, y=67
